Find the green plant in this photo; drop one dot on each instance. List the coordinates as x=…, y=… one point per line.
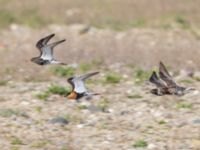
x=63, y=71
x=138, y=22
x=6, y=18
x=82, y=107
x=140, y=75
x=38, y=109
x=66, y=116
x=196, y=78
x=85, y=67
x=113, y=78
x=55, y=89
x=39, y=144
x=14, y=148
x=31, y=18
x=3, y=82
x=187, y=81
x=7, y=112
x=140, y=144
x=183, y=105
x=134, y=96
x=161, y=122
x=182, y=21
x=17, y=141
x=43, y=95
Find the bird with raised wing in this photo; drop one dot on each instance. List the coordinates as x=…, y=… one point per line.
x=166, y=84
x=46, y=51
x=79, y=89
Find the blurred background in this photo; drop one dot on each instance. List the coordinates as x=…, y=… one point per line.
x=124, y=40
x=139, y=33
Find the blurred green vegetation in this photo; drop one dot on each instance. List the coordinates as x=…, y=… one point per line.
x=140, y=75
x=140, y=144
x=40, y=144
x=134, y=96
x=8, y=112
x=113, y=77
x=17, y=141
x=63, y=71
x=113, y=14
x=29, y=18
x=183, y=105
x=59, y=90
x=53, y=89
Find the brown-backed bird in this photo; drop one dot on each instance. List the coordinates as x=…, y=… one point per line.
x=165, y=84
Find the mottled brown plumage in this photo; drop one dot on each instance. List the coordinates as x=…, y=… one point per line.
x=165, y=84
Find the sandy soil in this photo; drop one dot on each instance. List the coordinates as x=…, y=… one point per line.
x=122, y=115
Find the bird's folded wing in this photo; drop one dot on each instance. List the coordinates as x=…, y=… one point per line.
x=155, y=80
x=165, y=76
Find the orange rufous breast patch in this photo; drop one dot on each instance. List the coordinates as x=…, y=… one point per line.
x=72, y=95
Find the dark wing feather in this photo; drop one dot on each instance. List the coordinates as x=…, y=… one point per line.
x=56, y=43
x=165, y=76
x=85, y=76
x=42, y=42
x=71, y=82
x=155, y=80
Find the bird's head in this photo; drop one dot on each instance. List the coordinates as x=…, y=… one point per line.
x=70, y=80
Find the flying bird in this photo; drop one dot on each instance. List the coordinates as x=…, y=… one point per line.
x=78, y=86
x=46, y=51
x=166, y=84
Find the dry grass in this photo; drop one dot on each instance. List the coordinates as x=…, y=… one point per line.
x=115, y=14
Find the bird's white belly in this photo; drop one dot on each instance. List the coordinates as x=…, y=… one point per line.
x=80, y=88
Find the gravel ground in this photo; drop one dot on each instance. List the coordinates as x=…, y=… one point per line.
x=126, y=116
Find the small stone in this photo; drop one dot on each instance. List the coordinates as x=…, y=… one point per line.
x=25, y=103
x=94, y=108
x=196, y=122
x=195, y=92
x=110, y=110
x=59, y=120
x=80, y=126
x=151, y=146
x=124, y=112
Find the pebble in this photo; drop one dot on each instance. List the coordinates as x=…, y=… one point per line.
x=93, y=108
x=196, y=122
x=59, y=120
x=151, y=146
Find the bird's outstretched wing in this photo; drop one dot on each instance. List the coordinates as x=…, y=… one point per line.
x=165, y=76
x=43, y=42
x=88, y=75
x=78, y=83
x=46, y=50
x=155, y=80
